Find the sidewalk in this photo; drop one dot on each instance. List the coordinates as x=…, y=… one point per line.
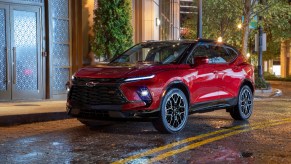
x=14, y=113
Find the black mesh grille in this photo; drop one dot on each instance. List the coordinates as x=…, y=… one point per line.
x=97, y=95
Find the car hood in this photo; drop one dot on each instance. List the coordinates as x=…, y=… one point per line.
x=108, y=71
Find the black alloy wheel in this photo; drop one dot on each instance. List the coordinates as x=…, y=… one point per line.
x=244, y=108
x=173, y=112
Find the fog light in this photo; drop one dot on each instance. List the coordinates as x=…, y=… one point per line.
x=68, y=86
x=144, y=95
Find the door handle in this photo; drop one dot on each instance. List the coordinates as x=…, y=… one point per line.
x=14, y=65
x=7, y=63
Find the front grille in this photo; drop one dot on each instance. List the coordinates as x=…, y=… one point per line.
x=83, y=81
x=97, y=95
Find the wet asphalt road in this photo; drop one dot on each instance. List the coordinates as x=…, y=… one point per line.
x=208, y=138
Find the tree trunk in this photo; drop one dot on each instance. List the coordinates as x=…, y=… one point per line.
x=245, y=26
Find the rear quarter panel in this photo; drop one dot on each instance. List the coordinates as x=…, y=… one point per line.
x=234, y=77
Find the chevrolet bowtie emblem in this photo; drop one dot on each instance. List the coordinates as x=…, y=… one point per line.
x=91, y=84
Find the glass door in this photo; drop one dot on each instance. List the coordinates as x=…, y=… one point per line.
x=20, y=53
x=25, y=52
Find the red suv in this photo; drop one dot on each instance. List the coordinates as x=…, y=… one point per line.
x=164, y=82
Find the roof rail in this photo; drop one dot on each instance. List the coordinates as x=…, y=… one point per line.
x=151, y=40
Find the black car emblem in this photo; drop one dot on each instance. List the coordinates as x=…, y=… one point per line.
x=91, y=84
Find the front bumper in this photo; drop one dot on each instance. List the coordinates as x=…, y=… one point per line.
x=108, y=99
x=109, y=112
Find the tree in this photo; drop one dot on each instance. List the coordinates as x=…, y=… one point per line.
x=248, y=10
x=276, y=18
x=277, y=25
x=112, y=28
x=221, y=17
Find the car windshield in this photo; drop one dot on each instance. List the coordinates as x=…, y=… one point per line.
x=161, y=53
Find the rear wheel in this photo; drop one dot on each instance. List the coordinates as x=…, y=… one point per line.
x=173, y=112
x=244, y=108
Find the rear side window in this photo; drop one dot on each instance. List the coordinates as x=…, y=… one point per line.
x=232, y=54
x=218, y=53
x=221, y=55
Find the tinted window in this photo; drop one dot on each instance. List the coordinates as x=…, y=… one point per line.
x=232, y=54
x=200, y=50
x=162, y=53
x=219, y=54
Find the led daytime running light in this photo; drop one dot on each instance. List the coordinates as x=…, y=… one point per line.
x=139, y=78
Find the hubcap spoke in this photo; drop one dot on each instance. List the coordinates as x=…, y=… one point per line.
x=175, y=110
x=246, y=102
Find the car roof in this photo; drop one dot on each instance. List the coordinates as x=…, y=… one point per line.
x=190, y=41
x=184, y=41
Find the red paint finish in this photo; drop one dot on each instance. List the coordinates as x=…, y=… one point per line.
x=204, y=81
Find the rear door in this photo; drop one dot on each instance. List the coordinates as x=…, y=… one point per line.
x=204, y=86
x=226, y=73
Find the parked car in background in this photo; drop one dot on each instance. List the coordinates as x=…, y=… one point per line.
x=163, y=82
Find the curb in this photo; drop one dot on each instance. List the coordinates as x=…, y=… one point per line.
x=264, y=93
x=10, y=120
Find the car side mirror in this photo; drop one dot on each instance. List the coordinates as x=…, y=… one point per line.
x=200, y=60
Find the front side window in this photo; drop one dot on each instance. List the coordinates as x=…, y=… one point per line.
x=200, y=51
x=161, y=53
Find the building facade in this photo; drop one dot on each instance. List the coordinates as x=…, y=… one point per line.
x=285, y=60
x=42, y=42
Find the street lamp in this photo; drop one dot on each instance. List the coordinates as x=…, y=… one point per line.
x=158, y=22
x=199, y=20
x=219, y=40
x=239, y=26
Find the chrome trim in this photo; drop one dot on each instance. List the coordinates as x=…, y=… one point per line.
x=14, y=65
x=7, y=63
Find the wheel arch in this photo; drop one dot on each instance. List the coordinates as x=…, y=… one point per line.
x=249, y=84
x=180, y=85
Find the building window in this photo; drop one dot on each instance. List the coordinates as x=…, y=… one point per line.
x=170, y=19
x=95, y=4
x=165, y=13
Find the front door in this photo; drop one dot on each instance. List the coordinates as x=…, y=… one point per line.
x=20, y=53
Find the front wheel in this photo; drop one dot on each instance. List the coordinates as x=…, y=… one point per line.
x=244, y=108
x=173, y=112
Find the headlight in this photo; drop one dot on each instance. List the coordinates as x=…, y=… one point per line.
x=73, y=77
x=144, y=94
x=139, y=78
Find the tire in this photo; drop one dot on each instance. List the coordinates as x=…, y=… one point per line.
x=173, y=112
x=244, y=108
